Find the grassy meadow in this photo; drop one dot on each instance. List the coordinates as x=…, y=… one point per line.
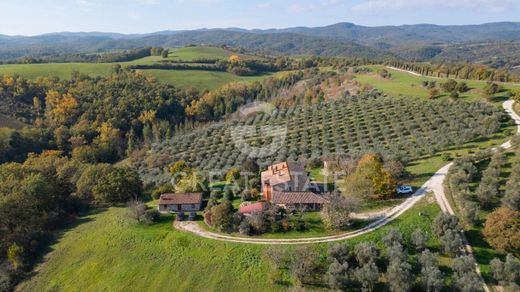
x=180, y=78
x=405, y=84
x=106, y=252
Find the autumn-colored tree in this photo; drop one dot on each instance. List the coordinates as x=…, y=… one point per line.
x=516, y=96
x=61, y=108
x=433, y=92
x=179, y=167
x=15, y=255
x=502, y=229
x=233, y=175
x=147, y=116
x=370, y=175
x=234, y=59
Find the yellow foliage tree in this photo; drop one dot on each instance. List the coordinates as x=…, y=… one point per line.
x=148, y=116
x=234, y=59
x=370, y=178
x=60, y=108
x=107, y=134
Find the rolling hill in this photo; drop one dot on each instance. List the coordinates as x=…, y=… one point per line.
x=341, y=39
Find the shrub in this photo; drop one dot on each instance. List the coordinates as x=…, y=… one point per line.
x=151, y=216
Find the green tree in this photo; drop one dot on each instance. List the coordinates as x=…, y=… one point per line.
x=399, y=275
x=449, y=86
x=233, y=175
x=337, y=275
x=367, y=275
x=419, y=239
x=222, y=216
x=118, y=186
x=15, y=255
x=451, y=242
x=336, y=213
x=366, y=252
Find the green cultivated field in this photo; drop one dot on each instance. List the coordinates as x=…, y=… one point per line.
x=181, y=78
x=405, y=84
x=199, y=79
x=191, y=53
x=106, y=253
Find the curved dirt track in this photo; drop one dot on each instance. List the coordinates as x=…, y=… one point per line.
x=434, y=184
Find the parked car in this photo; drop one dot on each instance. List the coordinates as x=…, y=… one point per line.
x=180, y=216
x=404, y=190
x=192, y=216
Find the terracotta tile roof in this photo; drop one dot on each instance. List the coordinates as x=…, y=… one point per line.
x=255, y=207
x=180, y=198
x=282, y=172
x=297, y=198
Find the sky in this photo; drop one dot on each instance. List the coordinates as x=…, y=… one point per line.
x=32, y=17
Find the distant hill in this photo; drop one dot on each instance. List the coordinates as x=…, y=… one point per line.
x=414, y=42
x=411, y=34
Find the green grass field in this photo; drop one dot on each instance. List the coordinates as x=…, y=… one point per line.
x=180, y=78
x=405, y=84
x=200, y=52
x=199, y=79
x=105, y=252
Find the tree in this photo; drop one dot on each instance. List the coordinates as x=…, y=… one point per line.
x=516, y=96
x=164, y=53
x=491, y=89
x=61, y=109
x=462, y=87
x=302, y=268
x=502, y=229
x=251, y=166
x=393, y=237
x=399, y=275
x=367, y=275
x=419, y=238
x=451, y=242
x=118, y=186
x=370, y=178
x=336, y=213
x=15, y=255
x=136, y=210
x=433, y=92
x=179, y=168
x=366, y=252
x=466, y=277
x=511, y=198
x=193, y=182
x=339, y=252
x=508, y=272
x=222, y=216
x=431, y=276
x=233, y=175
x=454, y=95
x=151, y=216
x=337, y=275
x=89, y=179
x=443, y=222
x=470, y=212
x=449, y=86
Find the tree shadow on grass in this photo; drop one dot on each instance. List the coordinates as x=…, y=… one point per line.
x=53, y=237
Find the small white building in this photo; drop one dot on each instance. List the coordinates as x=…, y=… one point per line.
x=182, y=202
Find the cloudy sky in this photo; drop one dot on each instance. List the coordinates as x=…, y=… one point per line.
x=30, y=17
